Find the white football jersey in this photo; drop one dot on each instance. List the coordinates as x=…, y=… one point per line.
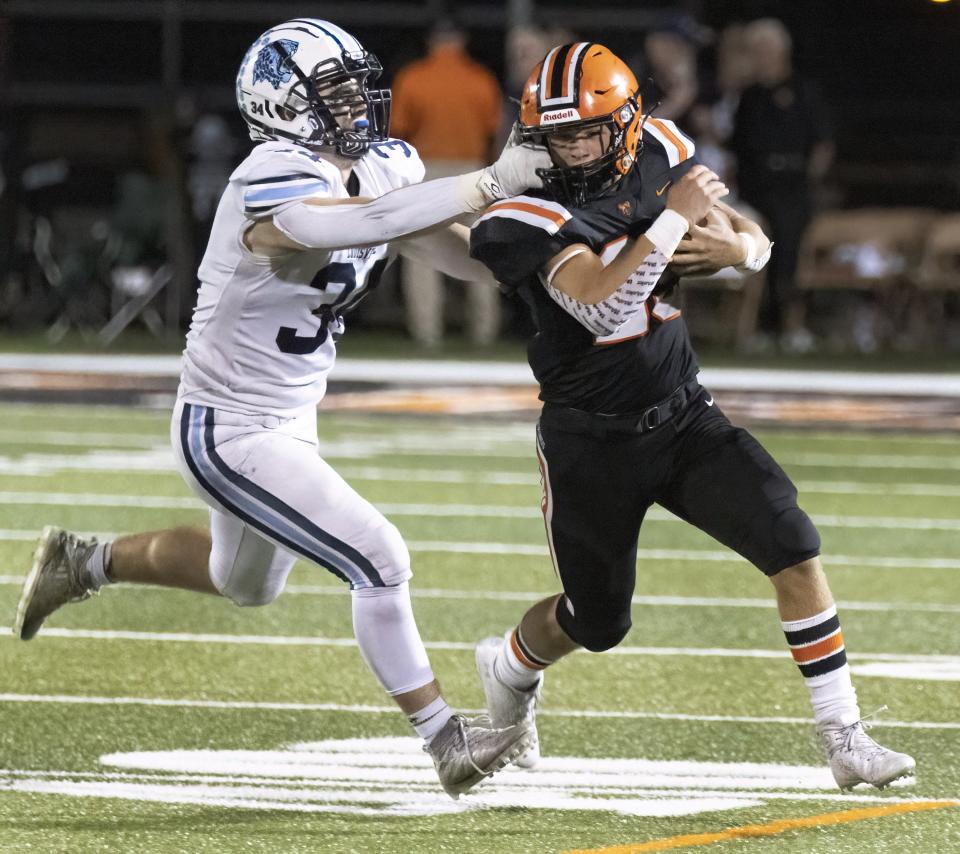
x=261, y=338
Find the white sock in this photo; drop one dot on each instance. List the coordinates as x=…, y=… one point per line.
x=388, y=638
x=816, y=644
x=431, y=719
x=515, y=665
x=96, y=566
x=833, y=697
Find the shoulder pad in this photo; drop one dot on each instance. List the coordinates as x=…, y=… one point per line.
x=664, y=136
x=276, y=174
x=516, y=238
x=539, y=213
x=398, y=160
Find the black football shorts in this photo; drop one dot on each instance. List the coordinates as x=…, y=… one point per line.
x=599, y=483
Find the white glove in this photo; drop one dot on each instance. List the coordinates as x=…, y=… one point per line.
x=514, y=172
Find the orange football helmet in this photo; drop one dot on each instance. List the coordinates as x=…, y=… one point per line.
x=576, y=86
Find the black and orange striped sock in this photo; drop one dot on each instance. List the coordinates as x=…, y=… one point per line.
x=816, y=644
x=516, y=665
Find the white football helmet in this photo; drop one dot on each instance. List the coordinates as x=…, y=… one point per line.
x=307, y=81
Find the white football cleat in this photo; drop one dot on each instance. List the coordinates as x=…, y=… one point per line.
x=467, y=751
x=509, y=706
x=856, y=758
x=56, y=578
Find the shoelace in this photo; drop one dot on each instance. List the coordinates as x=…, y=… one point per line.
x=858, y=732
x=462, y=726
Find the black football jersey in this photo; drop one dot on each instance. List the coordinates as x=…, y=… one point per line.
x=650, y=355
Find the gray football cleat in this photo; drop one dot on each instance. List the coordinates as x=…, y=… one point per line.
x=509, y=706
x=465, y=752
x=56, y=578
x=856, y=758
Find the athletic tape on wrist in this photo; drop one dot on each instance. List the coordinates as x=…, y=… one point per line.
x=667, y=230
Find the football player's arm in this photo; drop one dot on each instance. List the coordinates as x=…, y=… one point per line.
x=447, y=250
x=727, y=239
x=330, y=224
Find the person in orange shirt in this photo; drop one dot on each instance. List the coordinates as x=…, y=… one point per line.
x=449, y=107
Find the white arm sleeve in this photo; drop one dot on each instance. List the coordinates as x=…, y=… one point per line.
x=607, y=316
x=392, y=215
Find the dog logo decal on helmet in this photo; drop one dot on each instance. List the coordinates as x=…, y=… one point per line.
x=270, y=64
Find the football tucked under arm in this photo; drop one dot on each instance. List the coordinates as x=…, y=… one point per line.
x=724, y=238
x=609, y=314
x=602, y=297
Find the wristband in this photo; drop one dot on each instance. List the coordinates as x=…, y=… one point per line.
x=751, y=246
x=752, y=264
x=667, y=230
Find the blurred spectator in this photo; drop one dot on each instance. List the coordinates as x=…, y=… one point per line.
x=670, y=59
x=711, y=119
x=525, y=46
x=448, y=106
x=782, y=145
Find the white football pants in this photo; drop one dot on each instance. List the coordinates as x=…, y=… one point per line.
x=272, y=498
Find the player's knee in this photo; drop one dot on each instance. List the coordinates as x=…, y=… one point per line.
x=597, y=633
x=391, y=556
x=795, y=536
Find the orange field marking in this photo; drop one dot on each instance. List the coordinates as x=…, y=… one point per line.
x=770, y=829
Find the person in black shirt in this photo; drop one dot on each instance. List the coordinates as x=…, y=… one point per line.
x=625, y=422
x=782, y=145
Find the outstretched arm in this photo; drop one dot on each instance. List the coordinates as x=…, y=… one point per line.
x=342, y=223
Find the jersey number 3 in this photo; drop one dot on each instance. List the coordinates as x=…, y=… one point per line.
x=339, y=273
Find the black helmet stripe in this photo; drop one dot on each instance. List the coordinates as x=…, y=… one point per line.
x=560, y=77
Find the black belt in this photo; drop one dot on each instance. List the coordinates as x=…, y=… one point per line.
x=643, y=422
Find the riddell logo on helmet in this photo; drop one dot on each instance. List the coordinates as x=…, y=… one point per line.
x=557, y=116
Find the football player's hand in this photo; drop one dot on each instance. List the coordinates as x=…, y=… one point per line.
x=695, y=193
x=710, y=245
x=515, y=171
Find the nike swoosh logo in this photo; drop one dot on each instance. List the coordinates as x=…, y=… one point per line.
x=709, y=402
x=661, y=191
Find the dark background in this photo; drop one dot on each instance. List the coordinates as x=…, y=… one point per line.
x=83, y=72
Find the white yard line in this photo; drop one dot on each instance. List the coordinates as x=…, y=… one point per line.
x=534, y=596
x=430, y=445
x=75, y=699
x=470, y=511
x=160, y=461
x=64, y=437
x=464, y=646
x=515, y=373
x=533, y=550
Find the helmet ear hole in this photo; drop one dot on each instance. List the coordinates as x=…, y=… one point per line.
x=285, y=114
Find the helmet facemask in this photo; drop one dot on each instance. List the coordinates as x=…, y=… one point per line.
x=347, y=115
x=576, y=185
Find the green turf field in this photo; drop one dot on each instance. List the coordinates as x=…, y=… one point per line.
x=152, y=720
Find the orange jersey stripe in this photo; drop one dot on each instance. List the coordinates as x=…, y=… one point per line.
x=805, y=654
x=526, y=207
x=669, y=134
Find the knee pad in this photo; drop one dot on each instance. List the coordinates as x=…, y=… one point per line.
x=389, y=554
x=795, y=537
x=595, y=630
